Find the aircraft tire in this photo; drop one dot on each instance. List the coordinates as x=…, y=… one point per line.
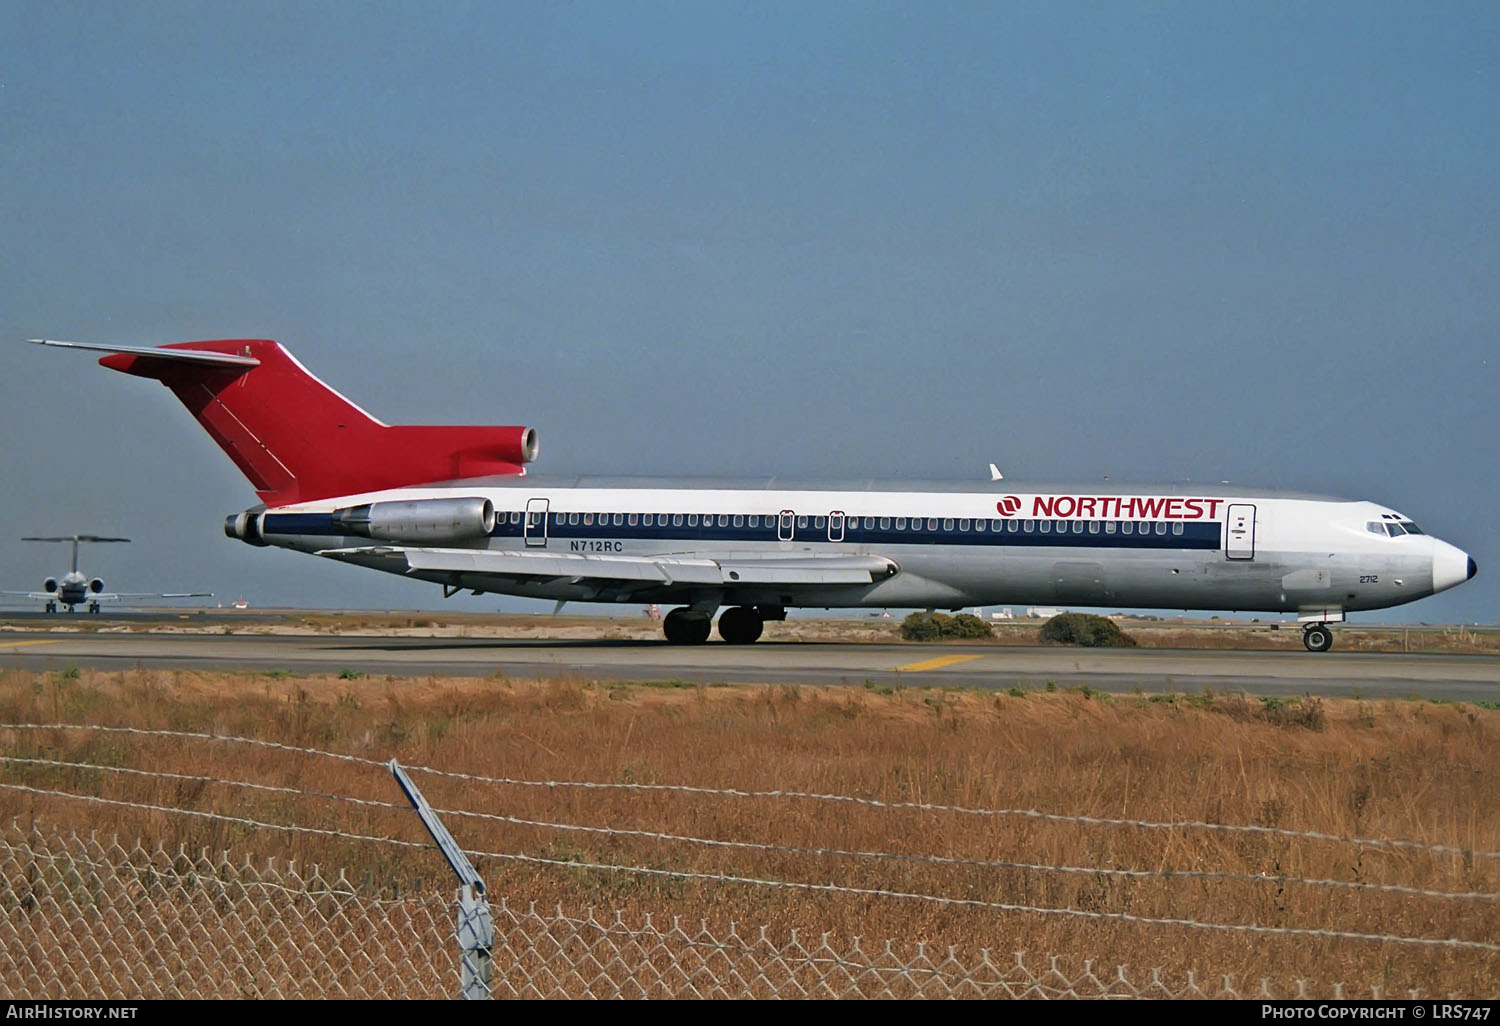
x=1318, y=638
x=685, y=627
x=740, y=625
x=93, y=607
x=51, y=607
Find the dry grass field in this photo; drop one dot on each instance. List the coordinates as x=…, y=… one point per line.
x=1376, y=771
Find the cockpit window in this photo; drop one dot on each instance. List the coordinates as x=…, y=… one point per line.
x=1393, y=526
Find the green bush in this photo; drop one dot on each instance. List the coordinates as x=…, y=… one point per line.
x=940, y=627
x=921, y=627
x=1085, y=629
x=967, y=625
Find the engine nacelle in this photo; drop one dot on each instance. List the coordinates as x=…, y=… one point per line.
x=50, y=584
x=246, y=527
x=96, y=585
x=421, y=520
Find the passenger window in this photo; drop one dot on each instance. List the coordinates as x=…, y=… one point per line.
x=948, y=523
x=801, y=523
x=1127, y=527
x=739, y=520
x=900, y=523
x=588, y=520
x=1177, y=528
x=573, y=519
x=1078, y=527
x=618, y=518
x=931, y=524
x=1109, y=527
x=1161, y=527
x=1046, y=526
x=869, y=523
x=755, y=520
x=1011, y=525
x=676, y=519
x=1029, y=525
x=885, y=523
x=820, y=522
x=1093, y=527
x=692, y=519
x=963, y=525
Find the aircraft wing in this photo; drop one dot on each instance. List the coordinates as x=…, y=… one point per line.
x=579, y=568
x=157, y=594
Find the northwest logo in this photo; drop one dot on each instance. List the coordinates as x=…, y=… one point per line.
x=1009, y=506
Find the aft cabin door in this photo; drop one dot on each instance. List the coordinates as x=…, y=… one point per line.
x=535, y=527
x=1239, y=532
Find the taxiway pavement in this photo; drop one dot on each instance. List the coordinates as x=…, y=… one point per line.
x=1469, y=678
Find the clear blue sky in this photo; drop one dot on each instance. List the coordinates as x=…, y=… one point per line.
x=1245, y=241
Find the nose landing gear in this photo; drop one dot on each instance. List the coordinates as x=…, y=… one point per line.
x=1317, y=637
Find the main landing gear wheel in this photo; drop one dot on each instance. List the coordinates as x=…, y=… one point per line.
x=740, y=625
x=687, y=627
x=51, y=607
x=93, y=607
x=1318, y=638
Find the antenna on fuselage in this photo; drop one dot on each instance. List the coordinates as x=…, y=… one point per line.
x=995, y=474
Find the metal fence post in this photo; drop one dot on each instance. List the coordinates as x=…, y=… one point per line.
x=475, y=928
x=476, y=938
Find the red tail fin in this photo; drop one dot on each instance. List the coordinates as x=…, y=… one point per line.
x=296, y=439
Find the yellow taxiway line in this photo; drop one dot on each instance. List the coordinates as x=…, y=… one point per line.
x=18, y=644
x=933, y=664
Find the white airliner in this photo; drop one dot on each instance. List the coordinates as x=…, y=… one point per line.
x=77, y=589
x=455, y=506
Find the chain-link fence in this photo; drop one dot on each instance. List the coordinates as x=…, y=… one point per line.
x=90, y=918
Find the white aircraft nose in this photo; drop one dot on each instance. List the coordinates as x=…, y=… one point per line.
x=1450, y=565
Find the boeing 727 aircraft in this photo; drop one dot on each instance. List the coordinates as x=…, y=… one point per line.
x=455, y=506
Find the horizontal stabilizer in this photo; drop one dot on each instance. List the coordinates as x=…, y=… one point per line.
x=78, y=538
x=189, y=356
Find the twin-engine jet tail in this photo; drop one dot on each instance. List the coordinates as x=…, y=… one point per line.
x=295, y=438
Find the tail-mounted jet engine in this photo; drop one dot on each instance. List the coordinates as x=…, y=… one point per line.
x=50, y=584
x=246, y=527
x=96, y=585
x=425, y=520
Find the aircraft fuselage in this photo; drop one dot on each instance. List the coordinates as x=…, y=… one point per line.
x=950, y=545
